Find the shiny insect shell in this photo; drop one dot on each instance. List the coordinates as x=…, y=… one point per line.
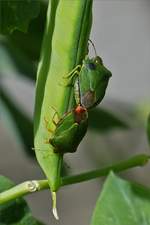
x=70, y=130
x=91, y=83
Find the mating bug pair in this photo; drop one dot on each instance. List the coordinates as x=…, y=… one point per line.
x=90, y=83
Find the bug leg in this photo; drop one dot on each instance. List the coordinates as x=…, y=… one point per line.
x=67, y=79
x=54, y=120
x=69, y=82
x=56, y=117
x=76, y=73
x=71, y=74
x=46, y=141
x=46, y=124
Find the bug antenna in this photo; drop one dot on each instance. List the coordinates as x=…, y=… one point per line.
x=93, y=47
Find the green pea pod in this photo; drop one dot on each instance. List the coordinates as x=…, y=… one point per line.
x=91, y=83
x=64, y=46
x=69, y=131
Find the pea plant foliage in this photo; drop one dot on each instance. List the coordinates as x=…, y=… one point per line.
x=49, y=44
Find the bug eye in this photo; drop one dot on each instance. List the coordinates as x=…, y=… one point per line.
x=91, y=66
x=98, y=60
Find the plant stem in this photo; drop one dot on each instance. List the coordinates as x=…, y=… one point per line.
x=23, y=189
x=135, y=161
x=32, y=186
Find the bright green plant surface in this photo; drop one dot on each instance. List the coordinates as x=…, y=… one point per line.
x=60, y=54
x=15, y=212
x=120, y=202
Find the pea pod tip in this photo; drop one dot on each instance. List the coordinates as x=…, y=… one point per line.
x=54, y=210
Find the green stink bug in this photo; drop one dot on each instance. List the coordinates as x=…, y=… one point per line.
x=69, y=131
x=91, y=80
x=91, y=84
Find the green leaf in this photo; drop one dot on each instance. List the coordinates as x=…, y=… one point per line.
x=122, y=203
x=30, y=43
x=20, y=51
x=101, y=120
x=15, y=212
x=18, y=123
x=17, y=15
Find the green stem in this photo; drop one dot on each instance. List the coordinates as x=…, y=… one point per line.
x=135, y=161
x=23, y=189
x=32, y=186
